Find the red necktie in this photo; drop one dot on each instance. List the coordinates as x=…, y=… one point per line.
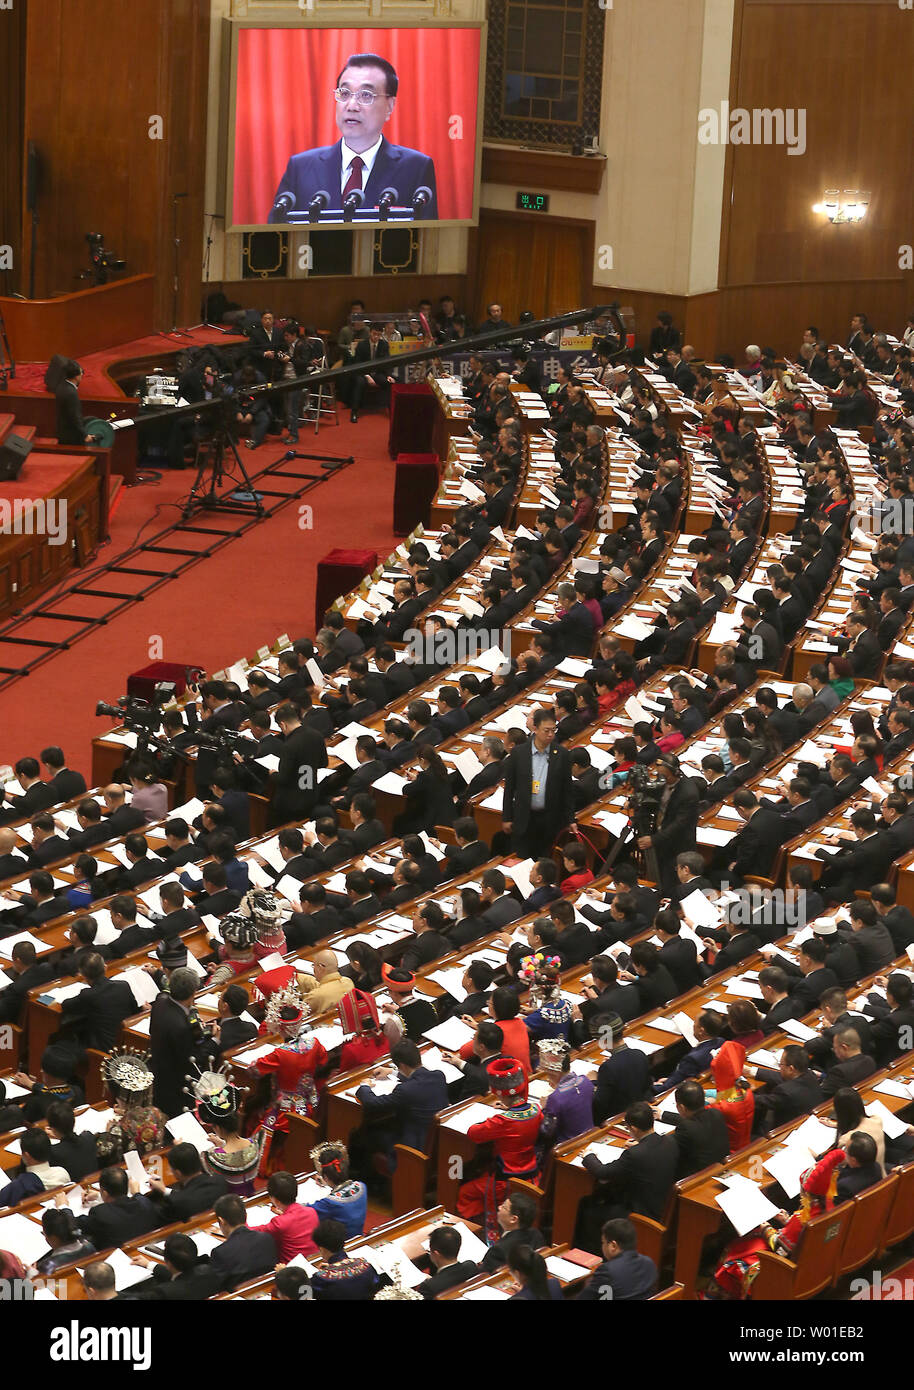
x=355, y=175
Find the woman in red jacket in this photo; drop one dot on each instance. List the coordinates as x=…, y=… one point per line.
x=512, y=1132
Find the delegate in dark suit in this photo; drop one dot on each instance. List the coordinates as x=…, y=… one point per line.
x=641, y=1179
x=173, y=1041
x=243, y=1255
x=320, y=170
x=534, y=830
x=124, y=1218
x=93, y=1017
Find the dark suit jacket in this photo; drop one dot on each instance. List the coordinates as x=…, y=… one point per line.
x=198, y=1194
x=447, y=1278
x=559, y=799
x=414, y=1102
x=573, y=633
x=783, y=1009
x=71, y=427
x=621, y=1080
x=677, y=833
x=235, y=1031
x=395, y=166
x=13, y=996
x=849, y=1073
x=78, y=1155
x=873, y=947
x=243, y=1255
x=303, y=749
x=193, y=1285
x=681, y=959
x=641, y=1179
x=66, y=784
x=94, y=1016
x=862, y=864
x=778, y=1101
x=110, y=1224
x=807, y=991
x=754, y=849
x=172, y=1044
x=52, y=849
x=702, y=1138
x=630, y=1277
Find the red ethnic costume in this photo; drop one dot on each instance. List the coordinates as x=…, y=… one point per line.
x=361, y=1022
x=291, y=1066
x=740, y=1262
x=513, y=1133
x=734, y=1100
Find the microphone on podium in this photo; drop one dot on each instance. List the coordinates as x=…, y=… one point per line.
x=284, y=203
x=421, y=198
x=317, y=204
x=353, y=199
x=387, y=200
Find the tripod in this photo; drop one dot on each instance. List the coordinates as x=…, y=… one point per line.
x=175, y=331
x=206, y=496
x=7, y=365
x=207, y=256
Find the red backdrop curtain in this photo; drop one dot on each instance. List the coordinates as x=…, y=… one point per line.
x=284, y=104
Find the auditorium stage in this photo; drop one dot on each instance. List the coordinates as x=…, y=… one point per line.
x=51, y=517
x=107, y=388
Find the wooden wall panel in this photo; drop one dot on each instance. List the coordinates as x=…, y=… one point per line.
x=523, y=263
x=325, y=302
x=93, y=83
x=12, y=70
x=846, y=65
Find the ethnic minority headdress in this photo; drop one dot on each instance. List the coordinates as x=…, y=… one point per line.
x=331, y=1159
x=285, y=1010
x=358, y=1013
x=128, y=1075
x=507, y=1078
x=238, y=931
x=553, y=1052
x=262, y=907
x=215, y=1097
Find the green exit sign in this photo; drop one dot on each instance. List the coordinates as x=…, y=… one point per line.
x=533, y=202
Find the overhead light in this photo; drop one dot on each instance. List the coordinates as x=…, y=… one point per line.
x=838, y=207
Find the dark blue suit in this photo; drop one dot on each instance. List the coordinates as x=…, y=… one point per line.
x=626, y=1279
x=320, y=169
x=413, y=1105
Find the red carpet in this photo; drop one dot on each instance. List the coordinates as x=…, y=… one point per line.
x=246, y=595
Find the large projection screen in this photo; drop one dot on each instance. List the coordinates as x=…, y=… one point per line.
x=296, y=149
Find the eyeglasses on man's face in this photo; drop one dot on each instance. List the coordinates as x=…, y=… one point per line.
x=364, y=96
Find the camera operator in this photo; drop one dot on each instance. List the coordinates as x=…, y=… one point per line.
x=676, y=820
x=251, y=775
x=197, y=383
x=250, y=415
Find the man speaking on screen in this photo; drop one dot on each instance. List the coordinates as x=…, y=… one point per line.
x=362, y=160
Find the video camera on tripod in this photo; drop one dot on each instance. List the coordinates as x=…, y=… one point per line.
x=218, y=740
x=142, y=717
x=644, y=793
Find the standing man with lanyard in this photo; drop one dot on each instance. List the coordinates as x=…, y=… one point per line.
x=539, y=800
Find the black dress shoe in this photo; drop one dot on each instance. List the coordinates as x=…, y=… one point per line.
x=354, y=417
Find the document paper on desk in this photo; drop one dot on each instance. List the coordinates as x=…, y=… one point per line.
x=451, y=1035
x=475, y=1114
x=745, y=1204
